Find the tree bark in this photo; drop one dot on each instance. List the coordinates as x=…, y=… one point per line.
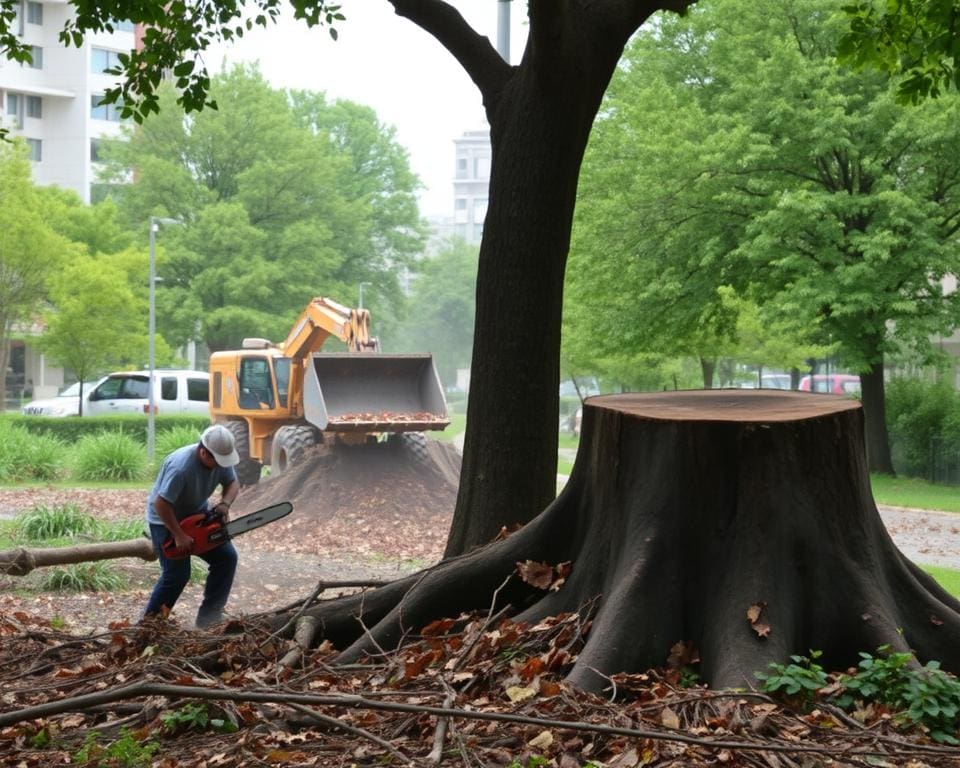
x=873, y=392
x=687, y=512
x=20, y=561
x=540, y=115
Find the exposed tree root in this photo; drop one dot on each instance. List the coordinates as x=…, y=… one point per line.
x=739, y=522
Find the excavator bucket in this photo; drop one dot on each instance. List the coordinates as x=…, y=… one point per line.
x=374, y=393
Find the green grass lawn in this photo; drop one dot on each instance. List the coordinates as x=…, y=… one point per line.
x=458, y=423
x=948, y=578
x=912, y=492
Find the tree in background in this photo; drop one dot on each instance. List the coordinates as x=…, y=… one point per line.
x=916, y=38
x=733, y=152
x=442, y=305
x=30, y=251
x=96, y=322
x=326, y=203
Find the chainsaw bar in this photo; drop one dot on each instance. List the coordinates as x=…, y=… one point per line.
x=258, y=518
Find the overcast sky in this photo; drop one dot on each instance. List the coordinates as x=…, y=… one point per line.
x=390, y=64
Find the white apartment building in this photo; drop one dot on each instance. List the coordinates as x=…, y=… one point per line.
x=471, y=183
x=54, y=103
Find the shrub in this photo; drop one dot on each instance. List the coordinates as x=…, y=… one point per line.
x=29, y=457
x=109, y=456
x=175, y=437
x=84, y=577
x=43, y=523
x=924, y=420
x=121, y=530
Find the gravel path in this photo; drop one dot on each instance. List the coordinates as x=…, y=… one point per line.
x=925, y=536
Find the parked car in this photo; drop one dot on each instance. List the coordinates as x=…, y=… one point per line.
x=835, y=383
x=175, y=392
x=67, y=403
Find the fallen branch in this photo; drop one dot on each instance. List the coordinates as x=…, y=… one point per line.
x=80, y=703
x=21, y=561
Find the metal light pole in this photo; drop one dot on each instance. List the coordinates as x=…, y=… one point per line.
x=503, y=29
x=360, y=302
x=155, y=222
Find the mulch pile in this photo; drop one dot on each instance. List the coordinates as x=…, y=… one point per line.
x=370, y=499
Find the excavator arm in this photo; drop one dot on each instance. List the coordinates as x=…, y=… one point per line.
x=323, y=318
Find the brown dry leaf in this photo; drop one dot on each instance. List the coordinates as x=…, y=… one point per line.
x=539, y=575
x=541, y=741
x=439, y=627
x=681, y=654
x=762, y=630
x=669, y=718
x=285, y=756
x=754, y=611
x=520, y=693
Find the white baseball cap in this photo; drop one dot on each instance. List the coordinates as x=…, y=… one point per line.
x=219, y=441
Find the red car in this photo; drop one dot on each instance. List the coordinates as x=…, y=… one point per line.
x=835, y=383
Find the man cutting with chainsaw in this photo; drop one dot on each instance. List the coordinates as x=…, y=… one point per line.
x=187, y=479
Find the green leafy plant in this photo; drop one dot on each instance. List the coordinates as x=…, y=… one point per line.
x=84, y=577
x=62, y=521
x=195, y=716
x=534, y=761
x=109, y=456
x=800, y=679
x=121, y=530
x=125, y=752
x=24, y=456
x=922, y=696
x=176, y=437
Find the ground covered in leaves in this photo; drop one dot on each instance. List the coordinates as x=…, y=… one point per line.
x=472, y=691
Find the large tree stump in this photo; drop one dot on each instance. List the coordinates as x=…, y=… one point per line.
x=685, y=510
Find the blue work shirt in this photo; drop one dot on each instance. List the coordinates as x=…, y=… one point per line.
x=186, y=483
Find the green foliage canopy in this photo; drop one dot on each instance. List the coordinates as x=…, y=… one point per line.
x=733, y=158
x=282, y=197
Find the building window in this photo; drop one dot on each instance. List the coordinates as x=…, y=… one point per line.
x=34, y=107
x=101, y=59
x=36, y=57
x=479, y=209
x=460, y=209
x=461, y=167
x=124, y=26
x=94, y=150
x=36, y=149
x=109, y=112
x=477, y=232
x=34, y=13
x=481, y=167
x=14, y=112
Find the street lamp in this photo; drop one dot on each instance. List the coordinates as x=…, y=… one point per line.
x=360, y=303
x=155, y=222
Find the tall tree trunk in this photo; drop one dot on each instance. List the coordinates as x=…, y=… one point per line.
x=540, y=119
x=707, y=368
x=873, y=392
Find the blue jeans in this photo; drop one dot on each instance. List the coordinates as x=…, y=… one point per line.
x=175, y=574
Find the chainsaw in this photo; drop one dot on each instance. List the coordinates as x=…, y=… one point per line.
x=209, y=531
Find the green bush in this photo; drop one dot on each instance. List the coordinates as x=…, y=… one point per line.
x=924, y=422
x=120, y=530
x=109, y=456
x=72, y=428
x=44, y=523
x=173, y=438
x=84, y=577
x=29, y=457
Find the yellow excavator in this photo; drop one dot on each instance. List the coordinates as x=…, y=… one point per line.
x=278, y=400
